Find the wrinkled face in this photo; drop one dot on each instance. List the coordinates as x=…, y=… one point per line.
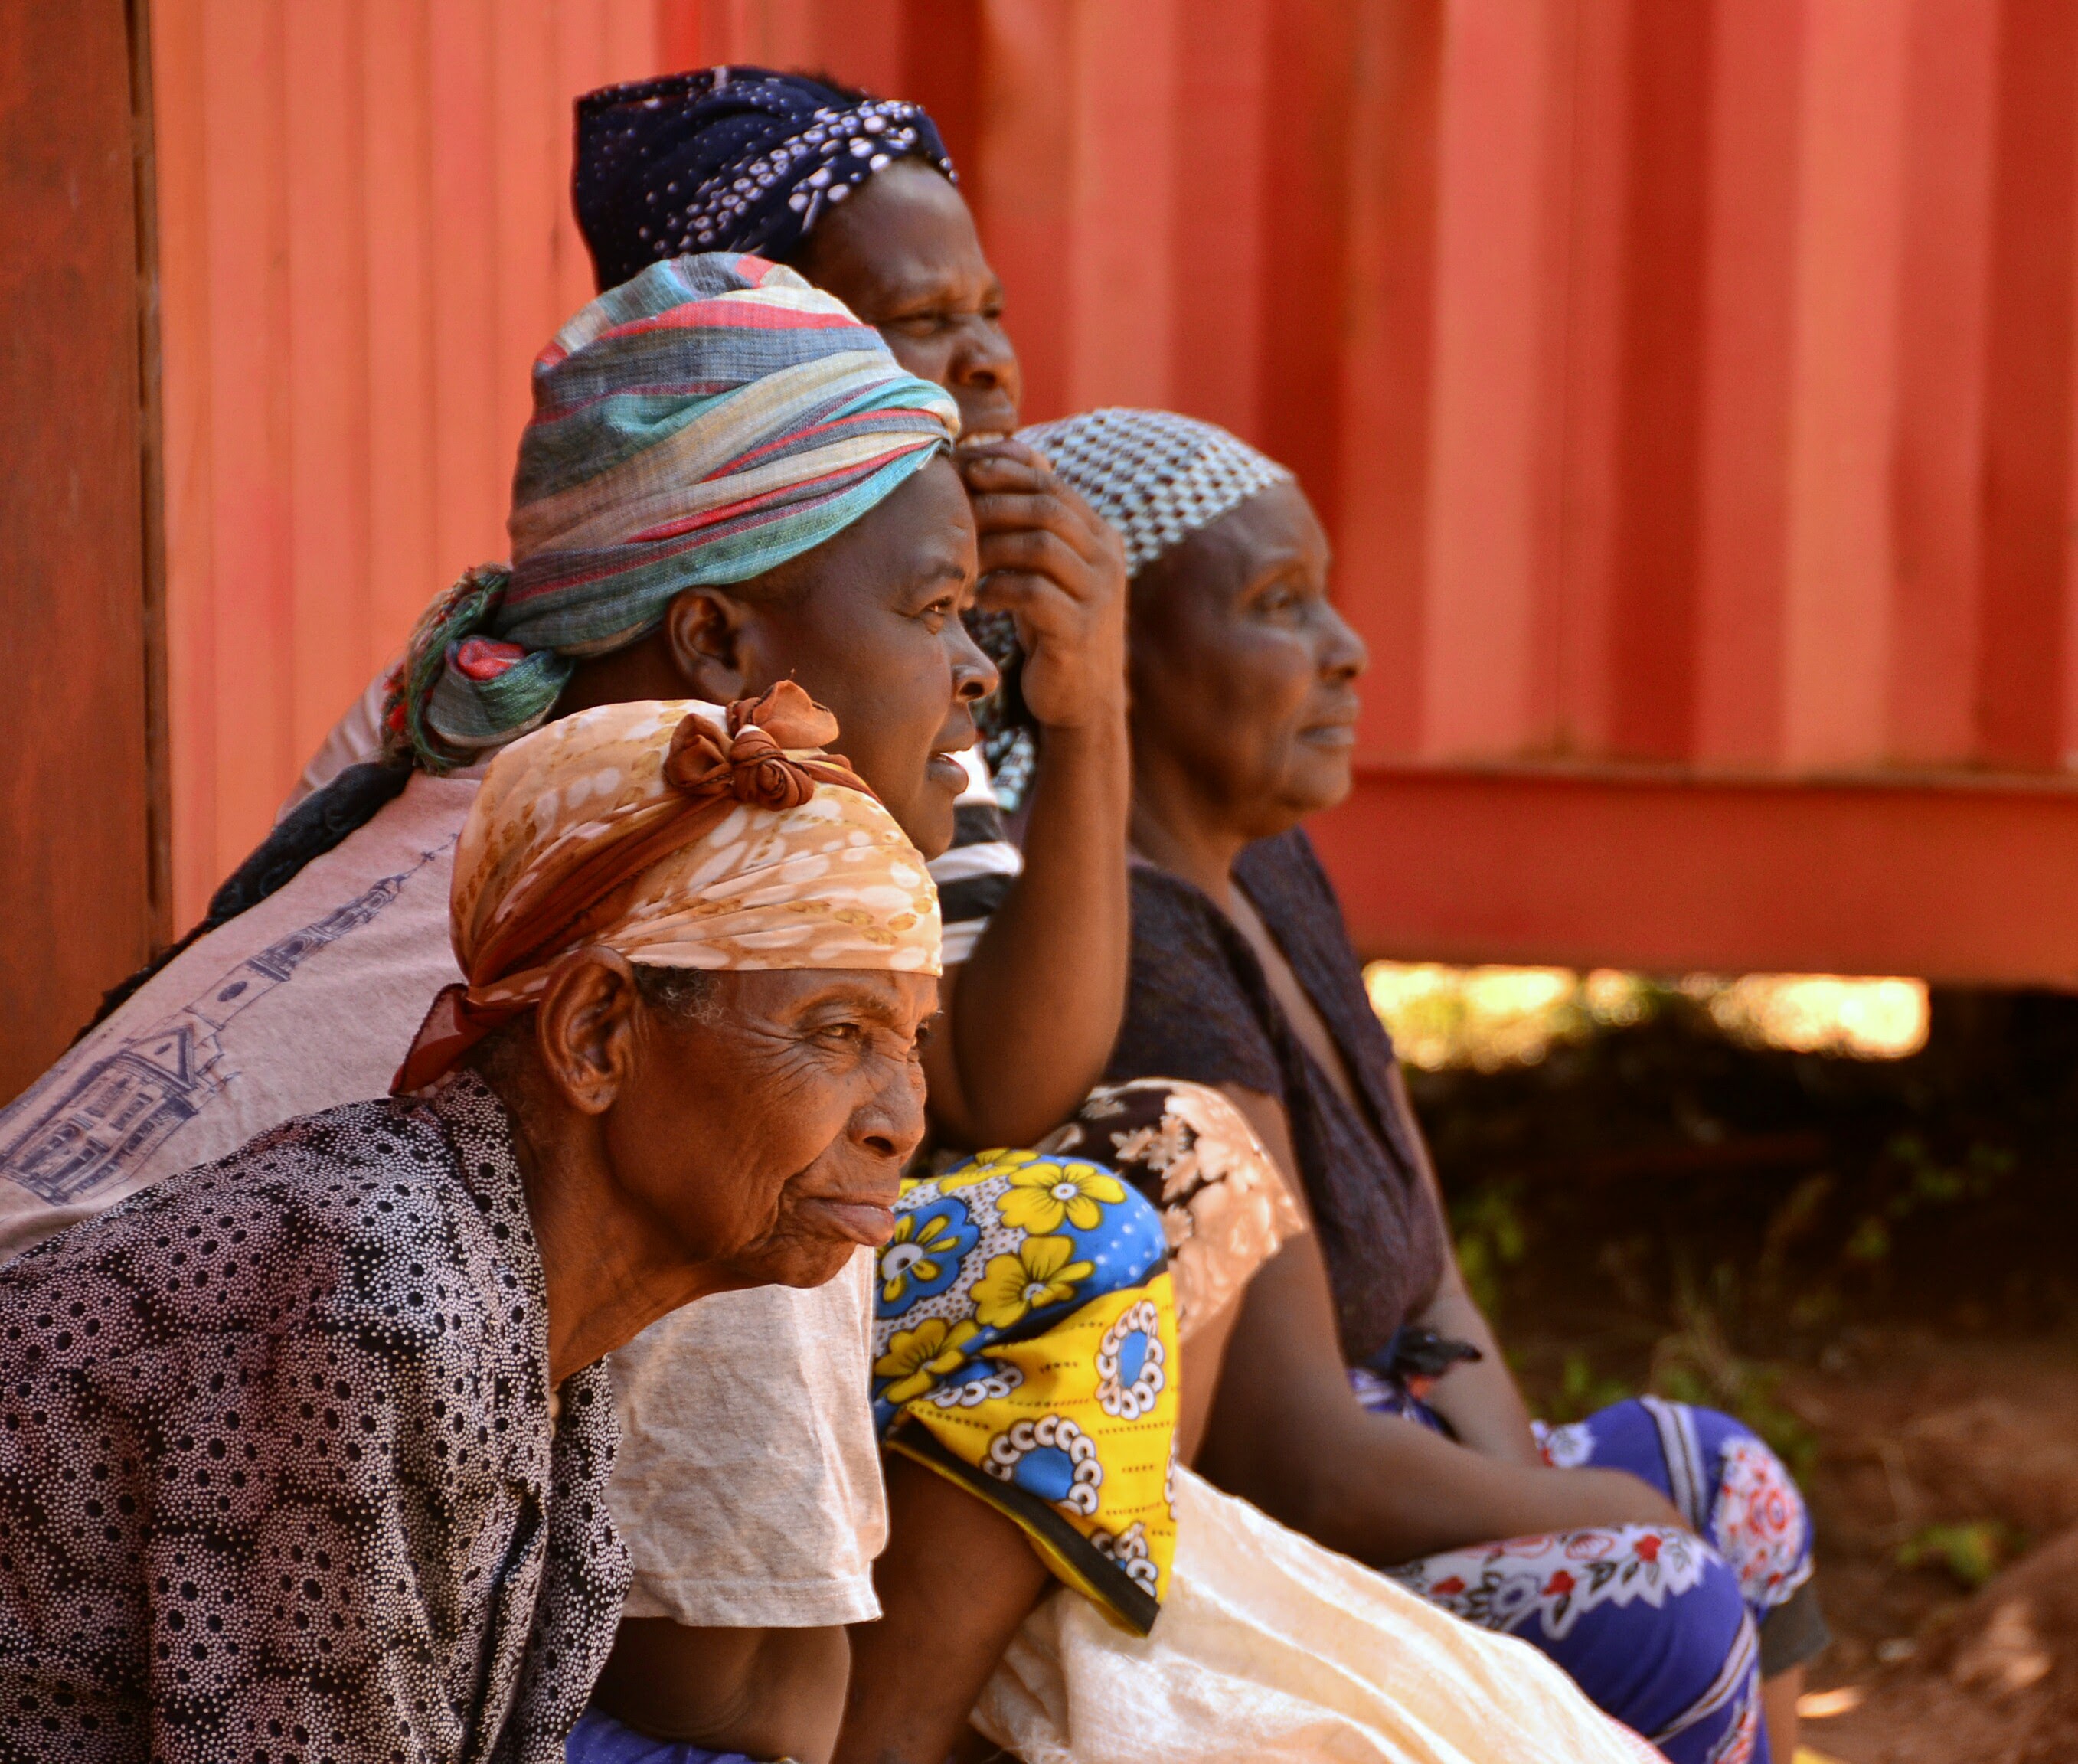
x=869, y=623
x=901, y=253
x=768, y=1131
x=1243, y=673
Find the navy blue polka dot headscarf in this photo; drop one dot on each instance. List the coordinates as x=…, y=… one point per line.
x=729, y=159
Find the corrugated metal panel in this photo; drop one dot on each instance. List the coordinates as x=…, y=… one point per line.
x=1689, y=388
x=1647, y=356
x=365, y=239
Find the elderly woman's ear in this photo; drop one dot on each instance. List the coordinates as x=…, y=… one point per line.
x=586, y=1029
x=703, y=633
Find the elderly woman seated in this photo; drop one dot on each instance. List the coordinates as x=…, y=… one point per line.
x=1659, y=1553
x=304, y=1453
x=759, y=495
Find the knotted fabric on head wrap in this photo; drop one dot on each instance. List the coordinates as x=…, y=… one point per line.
x=702, y=423
x=683, y=837
x=1155, y=475
x=729, y=159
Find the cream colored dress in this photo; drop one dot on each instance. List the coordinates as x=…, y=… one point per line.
x=1269, y=1647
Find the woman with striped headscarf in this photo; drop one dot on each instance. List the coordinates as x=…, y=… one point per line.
x=859, y=196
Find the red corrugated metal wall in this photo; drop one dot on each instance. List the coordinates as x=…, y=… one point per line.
x=1690, y=389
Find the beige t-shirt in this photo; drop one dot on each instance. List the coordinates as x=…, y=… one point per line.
x=747, y=1486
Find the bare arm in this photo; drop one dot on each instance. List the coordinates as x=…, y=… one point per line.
x=771, y=1693
x=956, y=1580
x=1030, y=1017
x=1480, y=1399
x=1288, y=1433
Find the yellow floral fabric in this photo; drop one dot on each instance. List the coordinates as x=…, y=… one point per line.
x=1025, y=1345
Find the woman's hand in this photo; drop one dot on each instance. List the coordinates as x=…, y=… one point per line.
x=1058, y=569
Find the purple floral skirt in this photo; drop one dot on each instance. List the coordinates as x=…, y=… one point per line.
x=1670, y=1631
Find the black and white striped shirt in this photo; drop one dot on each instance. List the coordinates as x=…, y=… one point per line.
x=975, y=873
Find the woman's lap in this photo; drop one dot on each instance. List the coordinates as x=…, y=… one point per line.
x=1729, y=1485
x=1660, y=1626
x=1649, y=1623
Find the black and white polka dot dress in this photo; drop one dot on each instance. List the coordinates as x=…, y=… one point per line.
x=279, y=1483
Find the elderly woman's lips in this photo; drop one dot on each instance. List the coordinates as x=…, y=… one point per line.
x=1331, y=735
x=860, y=1220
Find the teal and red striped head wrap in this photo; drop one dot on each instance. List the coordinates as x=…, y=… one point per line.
x=699, y=425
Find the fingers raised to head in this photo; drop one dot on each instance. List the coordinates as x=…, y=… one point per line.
x=1025, y=593
x=1003, y=511
x=1038, y=549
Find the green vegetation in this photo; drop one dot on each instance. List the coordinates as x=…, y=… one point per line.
x=1972, y=1552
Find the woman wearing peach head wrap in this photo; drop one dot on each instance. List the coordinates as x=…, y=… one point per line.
x=747, y=847
x=319, y=1463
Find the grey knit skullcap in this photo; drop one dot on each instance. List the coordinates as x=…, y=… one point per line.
x=1155, y=475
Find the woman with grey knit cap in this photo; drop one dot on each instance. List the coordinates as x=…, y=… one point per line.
x=1266, y=1645
x=1660, y=1554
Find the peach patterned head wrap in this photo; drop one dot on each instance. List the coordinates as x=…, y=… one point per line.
x=682, y=835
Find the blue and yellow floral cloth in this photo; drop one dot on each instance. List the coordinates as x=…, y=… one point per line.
x=1025, y=1345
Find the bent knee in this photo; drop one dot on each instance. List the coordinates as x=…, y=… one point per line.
x=1683, y=1662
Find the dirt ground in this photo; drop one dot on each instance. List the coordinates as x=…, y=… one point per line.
x=1874, y=1264
x=1973, y=1446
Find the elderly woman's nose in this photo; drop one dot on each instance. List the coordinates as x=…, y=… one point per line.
x=1344, y=655
x=891, y=1126
x=974, y=676
x=985, y=360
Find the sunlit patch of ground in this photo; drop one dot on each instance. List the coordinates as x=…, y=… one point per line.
x=1487, y=1018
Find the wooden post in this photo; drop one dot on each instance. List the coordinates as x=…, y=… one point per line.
x=82, y=795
